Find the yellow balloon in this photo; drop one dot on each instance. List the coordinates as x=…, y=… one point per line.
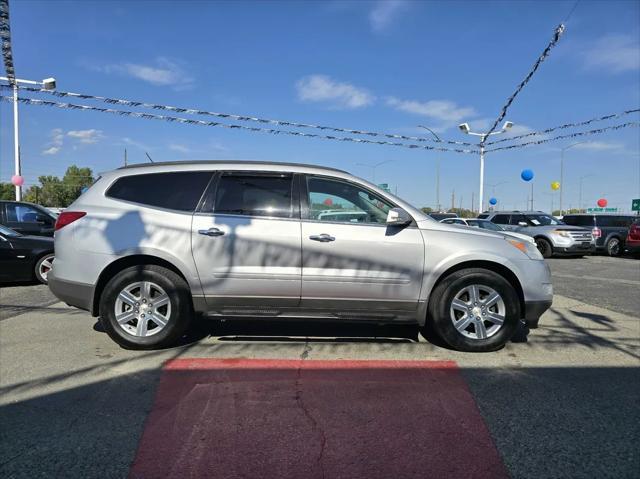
x=555, y=185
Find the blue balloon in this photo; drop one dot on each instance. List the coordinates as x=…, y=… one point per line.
x=526, y=175
x=83, y=189
x=493, y=201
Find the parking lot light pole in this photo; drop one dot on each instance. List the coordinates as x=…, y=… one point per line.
x=580, y=198
x=437, y=167
x=464, y=127
x=47, y=84
x=562, y=150
x=373, y=168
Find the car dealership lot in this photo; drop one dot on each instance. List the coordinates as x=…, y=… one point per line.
x=560, y=404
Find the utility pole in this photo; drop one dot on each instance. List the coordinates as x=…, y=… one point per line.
x=437, y=167
x=472, y=200
x=47, y=84
x=464, y=127
x=562, y=150
x=453, y=199
x=125, y=157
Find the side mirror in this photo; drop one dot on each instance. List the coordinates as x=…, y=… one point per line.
x=522, y=223
x=398, y=217
x=43, y=219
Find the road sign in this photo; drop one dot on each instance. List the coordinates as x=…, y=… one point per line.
x=385, y=187
x=635, y=204
x=602, y=210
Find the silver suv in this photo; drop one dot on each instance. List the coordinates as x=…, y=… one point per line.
x=148, y=246
x=551, y=235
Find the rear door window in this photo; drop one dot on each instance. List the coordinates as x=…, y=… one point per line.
x=269, y=195
x=180, y=190
x=500, y=219
x=586, y=221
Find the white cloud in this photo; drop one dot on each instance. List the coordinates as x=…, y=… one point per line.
x=385, y=12
x=444, y=111
x=55, y=145
x=599, y=146
x=162, y=72
x=321, y=88
x=615, y=53
x=87, y=137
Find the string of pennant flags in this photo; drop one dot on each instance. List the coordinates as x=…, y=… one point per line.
x=193, y=111
x=503, y=112
x=567, y=125
x=191, y=121
x=630, y=124
x=5, y=38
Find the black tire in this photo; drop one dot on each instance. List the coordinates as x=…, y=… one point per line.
x=614, y=246
x=545, y=248
x=38, y=272
x=180, y=316
x=439, y=311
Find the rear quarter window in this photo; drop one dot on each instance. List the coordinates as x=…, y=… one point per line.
x=586, y=221
x=179, y=190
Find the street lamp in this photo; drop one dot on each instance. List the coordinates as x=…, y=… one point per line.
x=562, y=150
x=373, y=168
x=464, y=128
x=437, y=167
x=47, y=84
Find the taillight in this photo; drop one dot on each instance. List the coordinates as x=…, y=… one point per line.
x=68, y=217
x=596, y=232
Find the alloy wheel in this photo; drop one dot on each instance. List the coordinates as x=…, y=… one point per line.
x=142, y=309
x=44, y=267
x=477, y=311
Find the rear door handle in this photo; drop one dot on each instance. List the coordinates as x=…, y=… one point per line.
x=211, y=232
x=323, y=238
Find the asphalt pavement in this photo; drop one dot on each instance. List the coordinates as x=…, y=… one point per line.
x=560, y=402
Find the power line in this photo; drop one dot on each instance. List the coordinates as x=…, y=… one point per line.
x=567, y=125
x=189, y=121
x=554, y=40
x=5, y=36
x=194, y=111
x=631, y=124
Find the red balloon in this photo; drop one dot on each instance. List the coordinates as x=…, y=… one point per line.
x=328, y=202
x=602, y=202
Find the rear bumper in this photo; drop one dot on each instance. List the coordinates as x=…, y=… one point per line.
x=75, y=294
x=533, y=310
x=632, y=246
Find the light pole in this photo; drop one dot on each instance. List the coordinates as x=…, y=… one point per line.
x=464, y=127
x=562, y=150
x=437, y=167
x=580, y=198
x=47, y=84
x=373, y=168
x=493, y=187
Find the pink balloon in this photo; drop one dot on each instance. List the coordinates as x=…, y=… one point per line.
x=17, y=180
x=602, y=202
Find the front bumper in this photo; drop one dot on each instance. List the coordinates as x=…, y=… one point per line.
x=75, y=294
x=533, y=310
x=576, y=248
x=632, y=247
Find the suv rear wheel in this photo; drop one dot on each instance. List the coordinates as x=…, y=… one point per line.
x=614, y=247
x=475, y=310
x=146, y=307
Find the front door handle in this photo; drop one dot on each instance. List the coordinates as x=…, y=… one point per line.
x=323, y=238
x=211, y=232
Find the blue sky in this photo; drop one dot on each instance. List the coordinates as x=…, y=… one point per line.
x=383, y=66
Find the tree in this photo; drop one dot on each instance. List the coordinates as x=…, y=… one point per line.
x=7, y=191
x=57, y=192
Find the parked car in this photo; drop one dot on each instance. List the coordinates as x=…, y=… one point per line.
x=551, y=235
x=632, y=244
x=27, y=218
x=24, y=258
x=609, y=230
x=146, y=246
x=485, y=225
x=442, y=216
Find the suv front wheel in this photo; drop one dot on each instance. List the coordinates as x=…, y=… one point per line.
x=475, y=310
x=146, y=307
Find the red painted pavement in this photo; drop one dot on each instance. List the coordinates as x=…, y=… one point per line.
x=310, y=419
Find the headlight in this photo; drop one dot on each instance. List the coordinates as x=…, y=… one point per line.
x=530, y=249
x=564, y=234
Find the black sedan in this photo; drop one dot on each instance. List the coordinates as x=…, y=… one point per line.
x=24, y=258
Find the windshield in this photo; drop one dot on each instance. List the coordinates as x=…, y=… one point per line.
x=8, y=231
x=543, y=220
x=485, y=225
